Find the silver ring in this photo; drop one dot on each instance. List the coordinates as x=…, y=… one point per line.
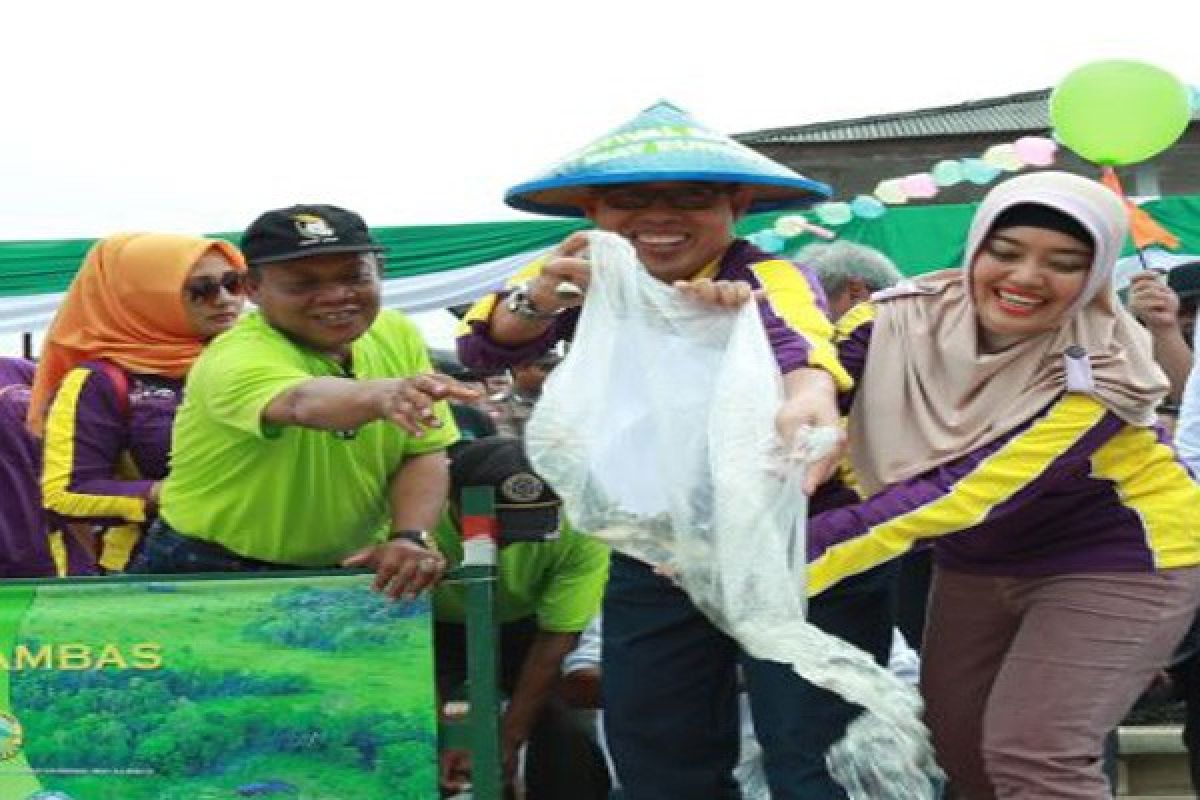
x=428, y=565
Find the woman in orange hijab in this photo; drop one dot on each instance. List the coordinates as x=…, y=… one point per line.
x=110, y=378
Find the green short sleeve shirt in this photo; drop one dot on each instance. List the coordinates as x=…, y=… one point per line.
x=560, y=582
x=288, y=495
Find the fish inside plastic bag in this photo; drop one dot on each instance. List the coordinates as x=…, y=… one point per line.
x=658, y=432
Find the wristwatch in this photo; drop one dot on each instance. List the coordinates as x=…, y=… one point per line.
x=417, y=537
x=520, y=303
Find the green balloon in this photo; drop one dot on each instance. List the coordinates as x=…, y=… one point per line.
x=1116, y=113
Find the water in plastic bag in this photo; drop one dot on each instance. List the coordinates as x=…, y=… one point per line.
x=657, y=430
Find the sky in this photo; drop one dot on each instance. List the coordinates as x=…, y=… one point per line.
x=196, y=116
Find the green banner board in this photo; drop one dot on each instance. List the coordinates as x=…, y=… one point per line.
x=302, y=686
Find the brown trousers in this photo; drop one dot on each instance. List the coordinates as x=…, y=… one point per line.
x=1024, y=677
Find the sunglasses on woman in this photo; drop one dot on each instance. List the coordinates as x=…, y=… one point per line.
x=208, y=288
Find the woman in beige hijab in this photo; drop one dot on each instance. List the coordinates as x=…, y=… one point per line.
x=1004, y=416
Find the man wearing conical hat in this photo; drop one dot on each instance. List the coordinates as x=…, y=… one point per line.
x=675, y=189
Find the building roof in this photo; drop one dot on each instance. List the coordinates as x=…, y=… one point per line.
x=1022, y=112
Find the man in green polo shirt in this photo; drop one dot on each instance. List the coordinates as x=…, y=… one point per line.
x=312, y=428
x=550, y=581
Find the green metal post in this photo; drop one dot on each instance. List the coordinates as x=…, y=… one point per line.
x=478, y=572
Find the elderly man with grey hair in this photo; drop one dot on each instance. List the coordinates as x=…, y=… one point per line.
x=849, y=272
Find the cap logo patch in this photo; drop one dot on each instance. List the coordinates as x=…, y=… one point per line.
x=524, y=487
x=313, y=229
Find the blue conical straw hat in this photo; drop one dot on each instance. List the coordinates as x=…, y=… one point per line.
x=664, y=143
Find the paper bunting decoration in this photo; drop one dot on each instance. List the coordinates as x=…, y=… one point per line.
x=1028, y=151
x=890, y=192
x=979, y=172
x=947, y=173
x=1003, y=157
x=1036, y=151
x=794, y=225
x=867, y=207
x=791, y=225
x=767, y=240
x=921, y=186
x=834, y=213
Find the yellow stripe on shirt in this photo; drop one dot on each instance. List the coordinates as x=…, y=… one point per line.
x=793, y=301
x=116, y=546
x=58, y=551
x=708, y=271
x=1151, y=482
x=1011, y=468
x=60, y=460
x=853, y=319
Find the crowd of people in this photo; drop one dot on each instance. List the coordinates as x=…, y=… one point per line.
x=1007, y=427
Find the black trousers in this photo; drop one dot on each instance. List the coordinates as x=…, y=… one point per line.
x=670, y=690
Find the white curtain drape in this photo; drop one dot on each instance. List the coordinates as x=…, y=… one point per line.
x=416, y=293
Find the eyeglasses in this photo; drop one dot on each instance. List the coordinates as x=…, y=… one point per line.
x=689, y=197
x=208, y=288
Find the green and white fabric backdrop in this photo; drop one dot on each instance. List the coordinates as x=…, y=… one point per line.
x=436, y=266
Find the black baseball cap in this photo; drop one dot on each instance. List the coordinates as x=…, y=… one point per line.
x=285, y=234
x=527, y=509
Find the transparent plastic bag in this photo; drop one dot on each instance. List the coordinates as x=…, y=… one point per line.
x=658, y=431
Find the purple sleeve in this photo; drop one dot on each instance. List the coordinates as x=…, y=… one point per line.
x=792, y=307
x=892, y=502
x=24, y=551
x=852, y=352
x=88, y=429
x=477, y=349
x=814, y=285
x=790, y=347
x=16, y=371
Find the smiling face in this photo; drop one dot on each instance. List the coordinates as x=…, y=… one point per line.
x=1025, y=279
x=677, y=228
x=212, y=295
x=324, y=302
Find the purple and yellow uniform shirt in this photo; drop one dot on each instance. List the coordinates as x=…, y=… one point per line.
x=102, y=454
x=792, y=305
x=24, y=548
x=1073, y=490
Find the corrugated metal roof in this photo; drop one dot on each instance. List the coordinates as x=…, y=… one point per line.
x=1026, y=111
